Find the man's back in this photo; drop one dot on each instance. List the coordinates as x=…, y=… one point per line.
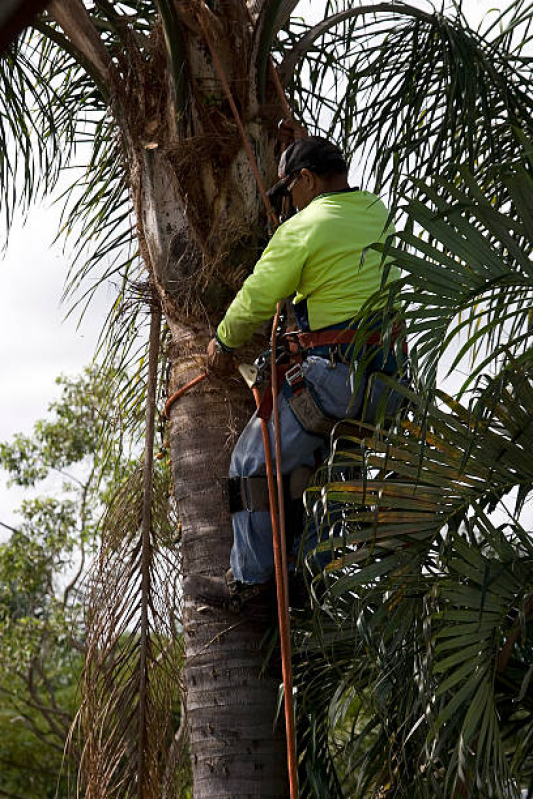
x=320, y=254
x=340, y=273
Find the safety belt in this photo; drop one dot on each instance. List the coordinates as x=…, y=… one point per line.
x=251, y=493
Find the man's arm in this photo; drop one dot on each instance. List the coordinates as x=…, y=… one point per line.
x=276, y=275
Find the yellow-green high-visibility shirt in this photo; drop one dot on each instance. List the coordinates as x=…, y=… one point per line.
x=322, y=254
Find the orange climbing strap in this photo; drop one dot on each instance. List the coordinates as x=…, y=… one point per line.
x=180, y=392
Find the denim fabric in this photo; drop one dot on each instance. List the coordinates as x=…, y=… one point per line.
x=252, y=559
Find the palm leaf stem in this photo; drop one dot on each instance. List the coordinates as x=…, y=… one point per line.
x=73, y=18
x=146, y=534
x=176, y=54
x=268, y=23
x=289, y=62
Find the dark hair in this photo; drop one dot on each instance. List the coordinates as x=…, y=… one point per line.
x=328, y=172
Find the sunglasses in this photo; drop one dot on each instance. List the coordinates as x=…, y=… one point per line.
x=292, y=183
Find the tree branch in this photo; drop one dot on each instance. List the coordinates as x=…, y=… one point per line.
x=83, y=522
x=7, y=527
x=73, y=19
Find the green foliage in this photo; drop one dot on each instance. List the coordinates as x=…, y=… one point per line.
x=467, y=272
x=48, y=636
x=41, y=568
x=411, y=91
x=32, y=760
x=417, y=667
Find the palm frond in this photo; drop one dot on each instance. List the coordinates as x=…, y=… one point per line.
x=36, y=120
x=423, y=597
x=467, y=275
x=134, y=652
x=110, y=710
x=407, y=90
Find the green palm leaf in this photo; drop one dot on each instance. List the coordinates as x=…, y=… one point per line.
x=426, y=591
x=411, y=91
x=467, y=273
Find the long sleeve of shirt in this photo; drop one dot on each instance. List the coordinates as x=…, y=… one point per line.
x=276, y=275
x=324, y=253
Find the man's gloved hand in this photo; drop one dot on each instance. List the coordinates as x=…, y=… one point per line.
x=219, y=362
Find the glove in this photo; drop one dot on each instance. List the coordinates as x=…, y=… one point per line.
x=219, y=363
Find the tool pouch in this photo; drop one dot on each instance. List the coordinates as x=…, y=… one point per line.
x=304, y=405
x=309, y=415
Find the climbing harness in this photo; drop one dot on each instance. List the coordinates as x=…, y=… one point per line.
x=300, y=395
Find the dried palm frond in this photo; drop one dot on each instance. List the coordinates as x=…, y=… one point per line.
x=110, y=714
x=134, y=653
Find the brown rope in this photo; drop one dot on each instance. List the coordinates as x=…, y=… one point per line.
x=246, y=144
x=180, y=392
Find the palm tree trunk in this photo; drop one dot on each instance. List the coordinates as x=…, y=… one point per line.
x=237, y=746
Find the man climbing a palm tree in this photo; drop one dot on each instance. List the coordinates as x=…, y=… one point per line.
x=322, y=255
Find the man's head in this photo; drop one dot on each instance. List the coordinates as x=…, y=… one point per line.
x=310, y=167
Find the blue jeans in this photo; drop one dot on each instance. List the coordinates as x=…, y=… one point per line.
x=252, y=559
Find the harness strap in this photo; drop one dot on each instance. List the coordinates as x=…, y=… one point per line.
x=330, y=337
x=251, y=493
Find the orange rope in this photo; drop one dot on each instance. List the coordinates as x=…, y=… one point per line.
x=279, y=89
x=180, y=392
x=282, y=571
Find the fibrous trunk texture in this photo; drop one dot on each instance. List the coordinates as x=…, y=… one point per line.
x=237, y=746
x=201, y=229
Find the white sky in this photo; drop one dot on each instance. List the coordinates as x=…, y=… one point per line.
x=36, y=345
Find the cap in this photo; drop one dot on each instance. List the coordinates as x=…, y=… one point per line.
x=314, y=153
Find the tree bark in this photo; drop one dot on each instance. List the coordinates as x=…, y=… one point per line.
x=237, y=746
x=236, y=743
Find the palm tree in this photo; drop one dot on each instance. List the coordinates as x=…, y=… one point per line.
x=158, y=90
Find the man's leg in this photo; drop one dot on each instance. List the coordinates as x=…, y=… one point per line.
x=252, y=559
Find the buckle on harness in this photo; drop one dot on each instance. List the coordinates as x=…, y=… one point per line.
x=294, y=374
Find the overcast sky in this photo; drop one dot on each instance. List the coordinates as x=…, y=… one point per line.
x=36, y=343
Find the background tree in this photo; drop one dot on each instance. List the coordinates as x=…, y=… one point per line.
x=80, y=453
x=409, y=90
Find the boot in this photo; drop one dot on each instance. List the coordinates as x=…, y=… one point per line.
x=223, y=592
